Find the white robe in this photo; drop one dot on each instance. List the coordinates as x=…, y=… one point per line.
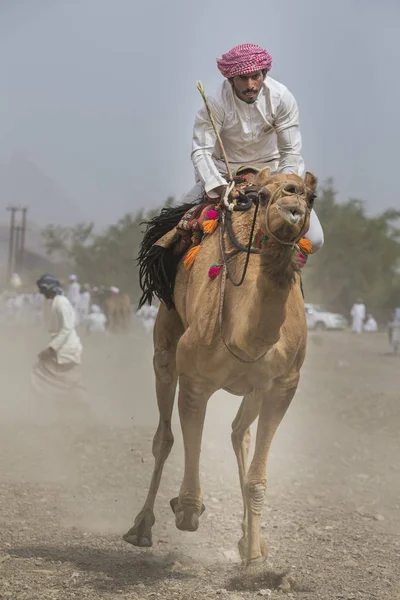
x=371, y=325
x=358, y=315
x=74, y=296
x=84, y=305
x=96, y=323
x=147, y=315
x=265, y=133
x=64, y=339
x=59, y=377
x=74, y=293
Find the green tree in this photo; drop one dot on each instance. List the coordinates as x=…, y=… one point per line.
x=359, y=257
x=108, y=258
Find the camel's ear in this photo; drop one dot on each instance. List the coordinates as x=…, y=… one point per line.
x=263, y=177
x=311, y=181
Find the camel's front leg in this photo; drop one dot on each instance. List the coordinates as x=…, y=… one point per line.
x=247, y=414
x=193, y=397
x=274, y=406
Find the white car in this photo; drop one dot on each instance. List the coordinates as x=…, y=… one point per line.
x=320, y=319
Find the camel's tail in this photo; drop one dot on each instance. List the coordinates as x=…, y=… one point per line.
x=158, y=265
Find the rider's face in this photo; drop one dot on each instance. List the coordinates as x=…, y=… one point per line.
x=247, y=87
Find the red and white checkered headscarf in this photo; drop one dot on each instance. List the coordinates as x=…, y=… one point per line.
x=243, y=59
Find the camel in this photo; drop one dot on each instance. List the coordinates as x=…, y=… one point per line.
x=118, y=310
x=248, y=339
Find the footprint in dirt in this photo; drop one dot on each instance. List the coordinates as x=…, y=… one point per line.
x=260, y=578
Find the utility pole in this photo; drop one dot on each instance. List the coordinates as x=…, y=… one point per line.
x=22, y=241
x=16, y=244
x=16, y=266
x=13, y=210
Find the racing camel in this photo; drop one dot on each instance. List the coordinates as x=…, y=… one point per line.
x=243, y=331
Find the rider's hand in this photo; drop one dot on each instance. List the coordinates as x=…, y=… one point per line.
x=220, y=191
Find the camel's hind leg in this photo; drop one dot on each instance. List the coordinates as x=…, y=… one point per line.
x=194, y=393
x=167, y=331
x=111, y=320
x=127, y=320
x=247, y=414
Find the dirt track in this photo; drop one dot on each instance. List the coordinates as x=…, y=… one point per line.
x=332, y=518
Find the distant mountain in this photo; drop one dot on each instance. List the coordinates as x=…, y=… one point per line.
x=23, y=183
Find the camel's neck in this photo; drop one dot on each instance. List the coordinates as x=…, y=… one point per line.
x=258, y=308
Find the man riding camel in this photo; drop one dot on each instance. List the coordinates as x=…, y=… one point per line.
x=258, y=121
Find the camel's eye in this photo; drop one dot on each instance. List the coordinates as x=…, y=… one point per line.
x=311, y=198
x=263, y=197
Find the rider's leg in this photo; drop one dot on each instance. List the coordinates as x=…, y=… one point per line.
x=315, y=233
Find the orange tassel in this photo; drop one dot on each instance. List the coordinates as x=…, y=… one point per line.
x=190, y=256
x=210, y=226
x=305, y=245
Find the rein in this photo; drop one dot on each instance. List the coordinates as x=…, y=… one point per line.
x=226, y=223
x=244, y=203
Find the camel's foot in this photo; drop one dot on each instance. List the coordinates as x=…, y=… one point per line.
x=263, y=548
x=140, y=534
x=243, y=546
x=186, y=517
x=254, y=564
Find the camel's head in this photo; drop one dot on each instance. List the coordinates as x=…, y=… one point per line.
x=287, y=201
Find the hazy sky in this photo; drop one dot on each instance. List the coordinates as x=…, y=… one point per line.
x=101, y=94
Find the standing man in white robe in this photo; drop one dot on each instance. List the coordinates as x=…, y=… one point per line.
x=74, y=295
x=358, y=312
x=84, y=303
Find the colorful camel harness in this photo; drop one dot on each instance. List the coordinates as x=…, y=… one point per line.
x=179, y=231
x=215, y=214
x=257, y=242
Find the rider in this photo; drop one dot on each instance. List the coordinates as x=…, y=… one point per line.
x=258, y=121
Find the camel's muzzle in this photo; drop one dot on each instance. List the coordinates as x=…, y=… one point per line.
x=292, y=213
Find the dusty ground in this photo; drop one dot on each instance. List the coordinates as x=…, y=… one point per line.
x=332, y=518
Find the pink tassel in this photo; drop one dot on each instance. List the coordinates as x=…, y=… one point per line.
x=301, y=260
x=214, y=271
x=212, y=214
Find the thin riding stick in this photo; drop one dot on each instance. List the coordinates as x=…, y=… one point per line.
x=201, y=90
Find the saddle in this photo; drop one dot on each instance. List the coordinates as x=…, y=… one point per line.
x=193, y=219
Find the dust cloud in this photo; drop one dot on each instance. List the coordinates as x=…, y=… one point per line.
x=70, y=487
